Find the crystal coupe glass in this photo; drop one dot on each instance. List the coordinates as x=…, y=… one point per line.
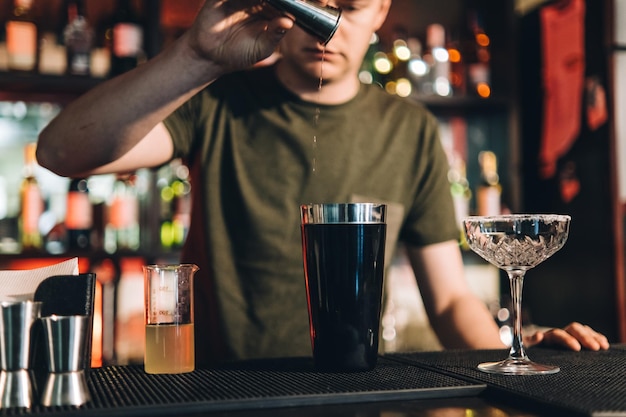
x=516, y=243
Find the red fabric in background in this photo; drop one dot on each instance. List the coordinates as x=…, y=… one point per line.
x=563, y=56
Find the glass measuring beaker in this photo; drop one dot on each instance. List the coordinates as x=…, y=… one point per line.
x=168, y=291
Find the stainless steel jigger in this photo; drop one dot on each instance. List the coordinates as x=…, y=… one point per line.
x=317, y=19
x=16, y=319
x=65, y=346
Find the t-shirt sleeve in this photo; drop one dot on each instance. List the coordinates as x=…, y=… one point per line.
x=181, y=125
x=431, y=218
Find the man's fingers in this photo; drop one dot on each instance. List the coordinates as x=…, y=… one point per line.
x=588, y=337
x=576, y=336
x=561, y=337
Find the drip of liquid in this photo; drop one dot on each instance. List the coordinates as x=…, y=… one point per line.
x=316, y=120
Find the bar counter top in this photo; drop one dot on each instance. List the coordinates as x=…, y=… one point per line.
x=433, y=384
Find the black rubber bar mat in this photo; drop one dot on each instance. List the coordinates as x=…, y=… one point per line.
x=128, y=391
x=589, y=383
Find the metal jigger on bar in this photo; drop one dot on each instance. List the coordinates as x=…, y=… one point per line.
x=16, y=319
x=317, y=19
x=66, y=341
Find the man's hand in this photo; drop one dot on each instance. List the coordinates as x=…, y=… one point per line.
x=574, y=336
x=235, y=34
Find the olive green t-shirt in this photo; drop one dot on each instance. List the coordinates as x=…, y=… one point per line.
x=256, y=152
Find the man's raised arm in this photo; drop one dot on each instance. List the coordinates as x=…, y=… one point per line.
x=109, y=123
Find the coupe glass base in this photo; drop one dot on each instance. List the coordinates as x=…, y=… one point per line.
x=517, y=367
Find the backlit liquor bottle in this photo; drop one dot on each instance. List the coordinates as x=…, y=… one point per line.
x=79, y=215
x=478, y=57
x=22, y=37
x=32, y=204
x=182, y=211
x=458, y=78
x=122, y=229
x=417, y=68
x=175, y=192
x=367, y=72
x=78, y=37
x=127, y=38
x=399, y=56
x=107, y=275
x=459, y=187
x=438, y=60
x=489, y=190
x=129, y=338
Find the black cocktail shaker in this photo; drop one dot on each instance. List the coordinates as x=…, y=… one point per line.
x=319, y=20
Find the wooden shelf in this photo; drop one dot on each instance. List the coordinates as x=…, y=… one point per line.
x=463, y=103
x=16, y=86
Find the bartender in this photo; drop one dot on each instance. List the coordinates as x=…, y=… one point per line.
x=261, y=139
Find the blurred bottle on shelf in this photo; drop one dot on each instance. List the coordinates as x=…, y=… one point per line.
x=417, y=69
x=458, y=76
x=102, y=45
x=452, y=133
x=9, y=230
x=108, y=275
x=79, y=216
x=489, y=191
x=122, y=229
x=78, y=37
x=400, y=54
x=4, y=200
x=129, y=339
x=368, y=73
x=461, y=196
x=175, y=193
x=383, y=66
x=126, y=38
x=32, y=203
x=22, y=37
x=478, y=57
x=438, y=60
x=378, y=64
x=460, y=189
x=52, y=55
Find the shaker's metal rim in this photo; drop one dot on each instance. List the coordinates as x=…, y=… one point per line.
x=343, y=213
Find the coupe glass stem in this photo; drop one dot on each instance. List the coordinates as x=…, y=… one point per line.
x=516, y=281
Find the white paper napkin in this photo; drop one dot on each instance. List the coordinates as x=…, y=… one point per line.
x=21, y=285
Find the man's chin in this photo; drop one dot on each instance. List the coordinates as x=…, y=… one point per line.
x=321, y=70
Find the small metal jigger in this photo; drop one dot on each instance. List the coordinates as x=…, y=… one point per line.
x=317, y=19
x=66, y=340
x=16, y=319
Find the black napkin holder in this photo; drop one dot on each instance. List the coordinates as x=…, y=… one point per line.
x=63, y=295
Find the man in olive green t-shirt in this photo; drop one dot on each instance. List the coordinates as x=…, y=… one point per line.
x=259, y=144
x=373, y=147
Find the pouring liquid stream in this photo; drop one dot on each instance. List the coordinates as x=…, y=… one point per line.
x=317, y=113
